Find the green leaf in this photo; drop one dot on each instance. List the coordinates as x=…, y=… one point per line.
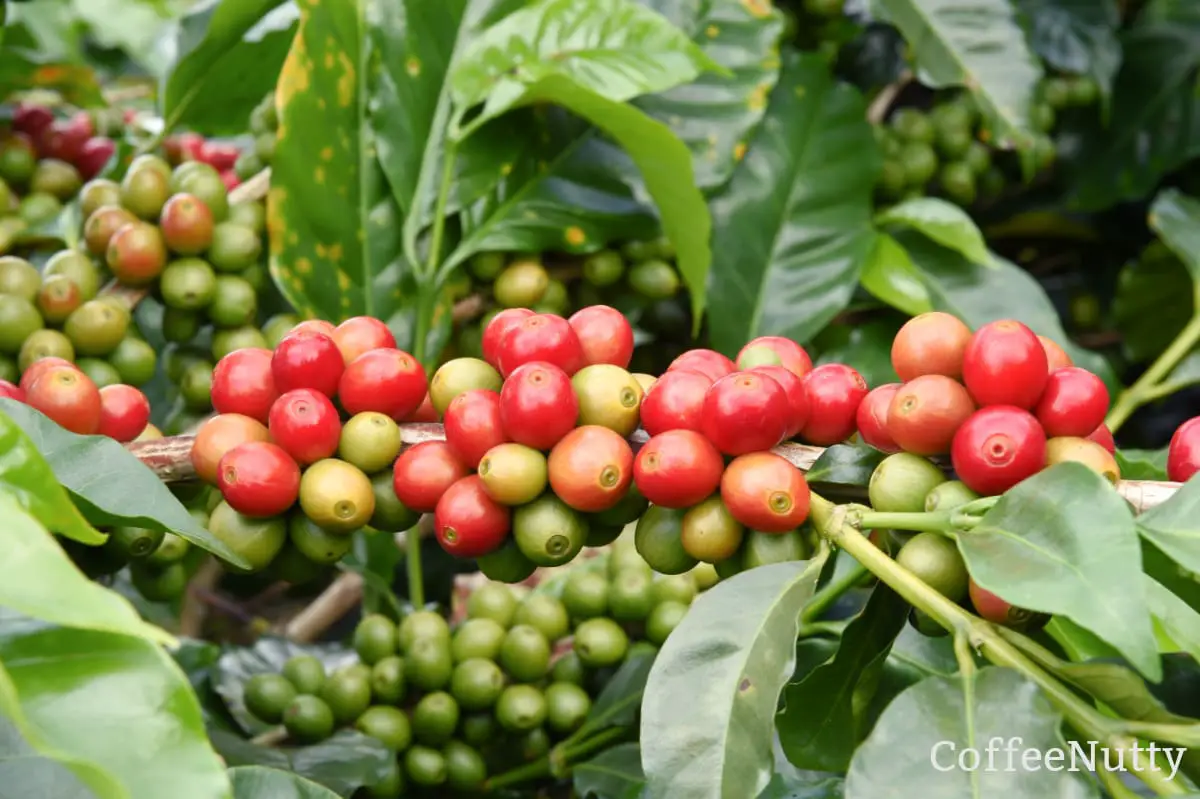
x=132, y=26
x=1076, y=36
x=1153, y=303
x=110, y=485
x=709, y=707
x=818, y=726
x=28, y=479
x=792, y=230
x=343, y=763
x=77, y=686
x=1057, y=543
x=941, y=221
x=1142, y=464
x=914, y=748
x=621, y=698
x=845, y=464
x=615, y=773
x=864, y=346
x=1175, y=217
x=1078, y=643
x=796, y=784
x=1174, y=526
x=1176, y=624
x=890, y=276
x=977, y=44
x=256, y=782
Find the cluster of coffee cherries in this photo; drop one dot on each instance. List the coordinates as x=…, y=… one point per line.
x=63, y=392
x=221, y=156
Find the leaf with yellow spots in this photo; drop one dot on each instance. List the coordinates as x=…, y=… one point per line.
x=793, y=229
x=229, y=53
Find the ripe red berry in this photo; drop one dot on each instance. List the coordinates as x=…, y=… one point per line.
x=1104, y=437
x=32, y=119
x=926, y=413
x=258, y=479
x=305, y=423
x=545, y=338
x=834, y=393
x=473, y=425
x=998, y=447
x=538, y=405
x=424, y=472
x=765, y=492
x=678, y=469
x=793, y=389
x=307, y=359
x=775, y=351
x=1183, y=454
x=605, y=335
x=467, y=522
x=997, y=611
x=1073, y=403
x=11, y=391
x=1056, y=356
x=493, y=334
x=38, y=368
x=871, y=417
x=217, y=436
x=1005, y=364
x=68, y=397
x=931, y=343
x=243, y=382
x=360, y=334
x=675, y=402
x=94, y=155
x=710, y=363
x=388, y=381
x=124, y=412
x=425, y=412
x=745, y=412
x=591, y=468
x=314, y=326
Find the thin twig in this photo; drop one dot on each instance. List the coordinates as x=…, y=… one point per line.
x=272, y=737
x=195, y=610
x=342, y=595
x=877, y=111
x=253, y=188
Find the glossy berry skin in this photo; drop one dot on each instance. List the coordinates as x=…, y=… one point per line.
x=424, y=472
x=467, y=522
x=994, y=609
x=68, y=397
x=306, y=425
x=765, y=492
x=425, y=412
x=545, y=338
x=307, y=359
x=605, y=335
x=1005, y=364
x=591, y=468
x=678, y=469
x=1183, y=454
x=388, y=381
x=871, y=418
x=793, y=389
x=38, y=368
x=675, y=402
x=314, y=326
x=774, y=351
x=217, y=436
x=10, y=391
x=1073, y=403
x=258, y=479
x=124, y=412
x=538, y=405
x=360, y=334
x=243, y=382
x=1056, y=356
x=931, y=343
x=834, y=393
x=710, y=363
x=1104, y=437
x=926, y=412
x=745, y=412
x=473, y=425
x=998, y=447
x=493, y=334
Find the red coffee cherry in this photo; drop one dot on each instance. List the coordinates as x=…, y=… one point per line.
x=11, y=391
x=675, y=402
x=605, y=335
x=124, y=412
x=258, y=479
x=243, y=382
x=40, y=367
x=314, y=326
x=538, y=406
x=996, y=610
x=360, y=334
x=797, y=397
x=931, y=343
x=1183, y=454
x=834, y=393
x=745, y=412
x=68, y=397
x=1104, y=437
x=307, y=359
x=493, y=334
x=998, y=447
x=387, y=381
x=775, y=351
x=871, y=418
x=473, y=425
x=591, y=468
x=424, y=472
x=765, y=492
x=425, y=412
x=1073, y=403
x=710, y=363
x=678, y=469
x=926, y=413
x=306, y=424
x=1056, y=356
x=1005, y=364
x=544, y=338
x=467, y=522
x=217, y=436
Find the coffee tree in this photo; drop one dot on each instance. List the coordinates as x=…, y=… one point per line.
x=599, y=398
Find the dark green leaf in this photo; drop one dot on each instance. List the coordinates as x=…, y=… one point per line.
x=1142, y=464
x=1174, y=526
x=845, y=464
x=75, y=685
x=376, y=556
x=131, y=26
x=1175, y=217
x=109, y=484
x=228, y=54
x=1076, y=36
x=940, y=221
x=615, y=773
x=1152, y=304
x=343, y=763
x=1057, y=543
x=818, y=726
x=1176, y=624
x=197, y=659
x=792, y=230
x=1078, y=643
x=803, y=785
x=865, y=346
x=618, y=703
x=890, y=276
x=913, y=750
x=708, y=712
x=28, y=479
x=256, y=782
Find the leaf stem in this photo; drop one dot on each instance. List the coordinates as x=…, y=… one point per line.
x=530, y=771
x=439, y=214
x=591, y=745
x=832, y=592
x=933, y=522
x=1145, y=387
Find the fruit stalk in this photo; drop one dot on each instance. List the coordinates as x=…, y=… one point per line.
x=1148, y=387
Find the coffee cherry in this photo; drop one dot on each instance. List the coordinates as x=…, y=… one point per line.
x=1088, y=453
x=258, y=479
x=425, y=412
x=797, y=397
x=745, y=412
x=186, y=224
x=513, y=474
x=996, y=610
x=467, y=522
x=591, y=468
x=473, y=426
x=678, y=468
x=40, y=367
x=136, y=253
x=337, y=496
x=1104, y=437
x=307, y=359
x=242, y=382
x=495, y=330
x=935, y=560
x=424, y=472
x=608, y=396
x=217, y=436
x=871, y=417
x=657, y=539
x=834, y=393
x=314, y=326
x=541, y=338
x=1073, y=403
x=10, y=391
x=902, y=481
x=370, y=440
x=387, y=381
x=1005, y=364
x=361, y=334
x=537, y=405
x=926, y=412
x=124, y=412
x=765, y=492
x=68, y=397
x=709, y=363
x=709, y=532
x=604, y=334
x=931, y=343
x=675, y=402
x=949, y=495
x=1056, y=356
x=305, y=423
x=775, y=351
x=547, y=531
x=998, y=447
